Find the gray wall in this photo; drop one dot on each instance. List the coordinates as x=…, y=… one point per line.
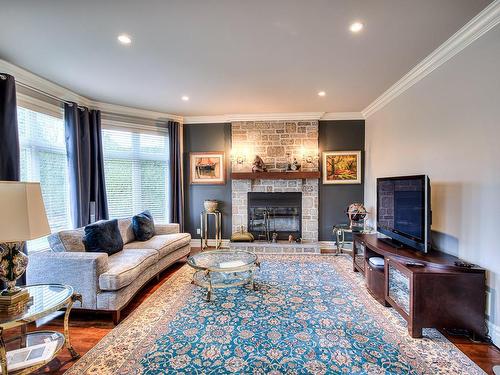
x=207, y=137
x=341, y=135
x=447, y=126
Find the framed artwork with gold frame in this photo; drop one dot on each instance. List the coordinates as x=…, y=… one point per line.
x=341, y=167
x=207, y=168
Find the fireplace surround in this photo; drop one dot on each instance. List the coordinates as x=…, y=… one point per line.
x=276, y=142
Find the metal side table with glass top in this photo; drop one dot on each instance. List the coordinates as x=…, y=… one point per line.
x=46, y=299
x=204, y=228
x=340, y=230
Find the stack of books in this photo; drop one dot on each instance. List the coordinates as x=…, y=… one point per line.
x=15, y=304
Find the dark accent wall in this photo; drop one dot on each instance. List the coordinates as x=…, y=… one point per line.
x=207, y=137
x=339, y=135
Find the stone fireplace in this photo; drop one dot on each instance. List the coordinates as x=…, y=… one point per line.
x=277, y=142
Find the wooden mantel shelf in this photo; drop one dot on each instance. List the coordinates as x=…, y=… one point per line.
x=274, y=175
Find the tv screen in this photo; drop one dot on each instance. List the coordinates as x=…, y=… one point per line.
x=403, y=209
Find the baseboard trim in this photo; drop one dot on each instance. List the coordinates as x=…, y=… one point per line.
x=494, y=332
x=196, y=242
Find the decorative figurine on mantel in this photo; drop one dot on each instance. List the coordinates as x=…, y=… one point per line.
x=293, y=165
x=258, y=165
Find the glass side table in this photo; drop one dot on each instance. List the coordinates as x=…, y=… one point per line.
x=204, y=228
x=339, y=232
x=45, y=300
x=223, y=269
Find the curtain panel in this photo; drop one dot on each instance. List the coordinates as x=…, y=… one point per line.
x=9, y=136
x=85, y=165
x=176, y=176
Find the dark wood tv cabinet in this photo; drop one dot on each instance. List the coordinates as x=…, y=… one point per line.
x=438, y=294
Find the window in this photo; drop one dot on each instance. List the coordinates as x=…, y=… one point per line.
x=43, y=159
x=135, y=169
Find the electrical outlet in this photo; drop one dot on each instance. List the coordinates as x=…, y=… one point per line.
x=198, y=231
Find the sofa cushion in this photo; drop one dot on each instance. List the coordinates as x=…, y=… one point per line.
x=143, y=226
x=103, y=237
x=67, y=240
x=126, y=266
x=164, y=243
x=126, y=231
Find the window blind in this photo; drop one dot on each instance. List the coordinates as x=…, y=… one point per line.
x=43, y=159
x=136, y=172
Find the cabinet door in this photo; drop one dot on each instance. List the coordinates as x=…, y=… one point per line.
x=358, y=253
x=398, y=287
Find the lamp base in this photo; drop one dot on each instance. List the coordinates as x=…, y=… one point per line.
x=13, y=264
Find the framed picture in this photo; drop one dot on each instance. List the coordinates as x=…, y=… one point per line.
x=342, y=167
x=207, y=168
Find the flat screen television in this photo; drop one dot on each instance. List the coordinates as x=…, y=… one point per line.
x=404, y=210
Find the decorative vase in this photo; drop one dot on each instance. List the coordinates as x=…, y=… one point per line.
x=13, y=264
x=210, y=205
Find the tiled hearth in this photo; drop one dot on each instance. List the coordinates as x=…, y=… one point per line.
x=281, y=247
x=272, y=141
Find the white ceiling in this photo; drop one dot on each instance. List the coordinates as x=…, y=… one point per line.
x=229, y=56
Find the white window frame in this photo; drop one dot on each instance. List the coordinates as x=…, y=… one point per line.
x=40, y=106
x=125, y=126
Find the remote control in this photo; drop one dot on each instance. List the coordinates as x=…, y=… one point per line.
x=415, y=264
x=461, y=263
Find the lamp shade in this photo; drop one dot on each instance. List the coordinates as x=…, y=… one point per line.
x=22, y=212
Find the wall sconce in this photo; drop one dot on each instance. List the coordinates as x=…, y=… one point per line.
x=239, y=159
x=240, y=156
x=309, y=155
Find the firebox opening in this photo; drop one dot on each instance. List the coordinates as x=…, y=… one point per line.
x=279, y=213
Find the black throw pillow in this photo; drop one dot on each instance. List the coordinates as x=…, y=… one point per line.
x=143, y=226
x=103, y=237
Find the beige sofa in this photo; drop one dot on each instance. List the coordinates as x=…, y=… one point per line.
x=108, y=282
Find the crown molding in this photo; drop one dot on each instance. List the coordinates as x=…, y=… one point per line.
x=474, y=29
x=38, y=83
x=342, y=116
x=27, y=78
x=134, y=112
x=289, y=116
x=215, y=119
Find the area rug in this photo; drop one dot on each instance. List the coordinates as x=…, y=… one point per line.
x=310, y=315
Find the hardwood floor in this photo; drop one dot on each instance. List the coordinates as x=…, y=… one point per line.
x=87, y=329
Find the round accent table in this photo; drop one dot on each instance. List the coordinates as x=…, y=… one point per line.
x=45, y=300
x=223, y=269
x=339, y=232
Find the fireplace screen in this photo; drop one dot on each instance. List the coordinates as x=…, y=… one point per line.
x=279, y=213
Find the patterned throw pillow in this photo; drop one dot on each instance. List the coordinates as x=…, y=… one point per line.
x=143, y=226
x=103, y=237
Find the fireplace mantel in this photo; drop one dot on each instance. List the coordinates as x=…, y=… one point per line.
x=274, y=175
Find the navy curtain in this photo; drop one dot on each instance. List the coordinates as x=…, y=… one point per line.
x=176, y=178
x=10, y=168
x=9, y=137
x=85, y=164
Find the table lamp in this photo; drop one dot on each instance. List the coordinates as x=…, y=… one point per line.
x=22, y=218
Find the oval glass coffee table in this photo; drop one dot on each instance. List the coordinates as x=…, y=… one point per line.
x=223, y=269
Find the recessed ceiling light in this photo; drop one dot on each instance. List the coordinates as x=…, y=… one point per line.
x=356, y=27
x=124, y=39
x=321, y=93
x=185, y=98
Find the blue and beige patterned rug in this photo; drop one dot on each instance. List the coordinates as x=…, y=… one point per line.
x=310, y=315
